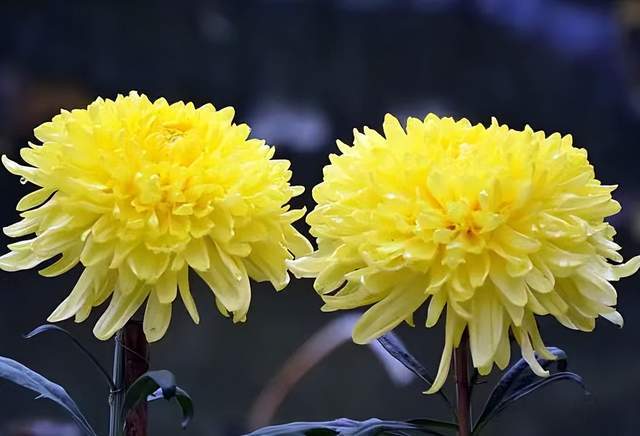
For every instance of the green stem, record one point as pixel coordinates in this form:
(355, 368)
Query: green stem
(463, 391)
(116, 397)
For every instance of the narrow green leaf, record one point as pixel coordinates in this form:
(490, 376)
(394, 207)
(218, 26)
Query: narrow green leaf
(54, 328)
(349, 427)
(394, 346)
(520, 381)
(27, 378)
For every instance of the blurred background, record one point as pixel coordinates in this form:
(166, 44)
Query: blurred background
(303, 73)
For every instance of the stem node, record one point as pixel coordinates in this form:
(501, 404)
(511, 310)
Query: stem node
(130, 361)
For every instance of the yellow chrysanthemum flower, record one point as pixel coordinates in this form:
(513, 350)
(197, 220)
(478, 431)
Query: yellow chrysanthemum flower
(494, 224)
(139, 192)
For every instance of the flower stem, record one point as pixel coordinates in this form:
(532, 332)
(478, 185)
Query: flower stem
(463, 392)
(130, 361)
(136, 363)
(116, 396)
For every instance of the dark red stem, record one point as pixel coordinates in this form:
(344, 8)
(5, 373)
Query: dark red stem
(136, 363)
(463, 393)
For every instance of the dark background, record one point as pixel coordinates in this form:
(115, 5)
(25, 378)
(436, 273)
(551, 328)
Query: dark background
(303, 73)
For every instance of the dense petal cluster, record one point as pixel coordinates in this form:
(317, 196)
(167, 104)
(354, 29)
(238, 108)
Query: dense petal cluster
(488, 224)
(141, 192)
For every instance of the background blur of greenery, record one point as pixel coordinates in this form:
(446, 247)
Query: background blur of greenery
(303, 73)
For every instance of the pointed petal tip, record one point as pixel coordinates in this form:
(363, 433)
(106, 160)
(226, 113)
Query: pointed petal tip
(6, 161)
(614, 318)
(59, 315)
(153, 337)
(359, 339)
(389, 117)
(434, 388)
(327, 308)
(101, 335)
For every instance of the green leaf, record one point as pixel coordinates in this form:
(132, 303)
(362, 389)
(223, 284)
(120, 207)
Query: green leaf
(520, 381)
(435, 424)
(349, 427)
(154, 385)
(29, 379)
(54, 328)
(394, 346)
(541, 382)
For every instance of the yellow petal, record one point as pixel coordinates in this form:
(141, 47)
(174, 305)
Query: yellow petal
(503, 353)
(167, 287)
(104, 287)
(35, 198)
(156, 318)
(516, 313)
(95, 252)
(513, 288)
(478, 268)
(308, 266)
(223, 310)
(392, 128)
(627, 269)
(516, 240)
(29, 173)
(296, 242)
(127, 280)
(352, 295)
(234, 294)
(527, 352)
(453, 331)
(146, 265)
(23, 227)
(539, 281)
(596, 288)
(80, 293)
(83, 313)
(69, 259)
(228, 262)
(121, 251)
(54, 241)
(267, 262)
(19, 260)
(485, 327)
(614, 317)
(185, 294)
(197, 255)
(332, 277)
(532, 327)
(120, 310)
(436, 305)
(389, 312)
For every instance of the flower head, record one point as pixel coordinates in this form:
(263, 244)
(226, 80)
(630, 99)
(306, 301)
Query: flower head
(139, 193)
(489, 224)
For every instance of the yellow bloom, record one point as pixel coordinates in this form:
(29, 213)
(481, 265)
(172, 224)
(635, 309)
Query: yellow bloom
(139, 192)
(495, 225)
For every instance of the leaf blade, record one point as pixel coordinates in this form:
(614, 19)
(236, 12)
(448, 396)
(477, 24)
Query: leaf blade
(21, 375)
(51, 327)
(392, 343)
(511, 377)
(154, 385)
(396, 348)
(520, 381)
(349, 427)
